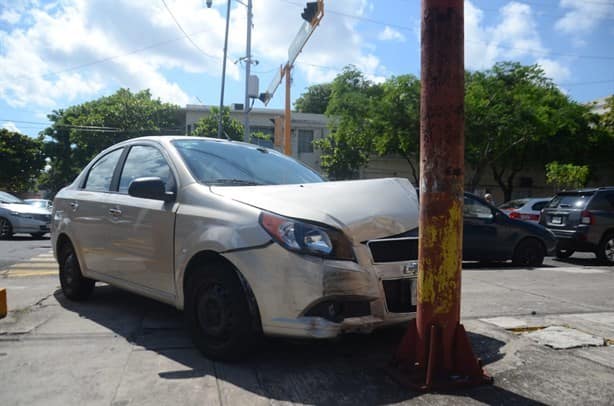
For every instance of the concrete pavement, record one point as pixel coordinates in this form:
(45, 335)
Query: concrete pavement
(121, 349)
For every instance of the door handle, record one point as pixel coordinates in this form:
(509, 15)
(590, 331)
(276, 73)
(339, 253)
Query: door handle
(115, 212)
(74, 205)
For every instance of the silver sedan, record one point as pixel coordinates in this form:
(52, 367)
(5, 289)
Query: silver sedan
(244, 239)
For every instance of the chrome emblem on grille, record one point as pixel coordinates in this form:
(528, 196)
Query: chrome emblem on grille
(411, 269)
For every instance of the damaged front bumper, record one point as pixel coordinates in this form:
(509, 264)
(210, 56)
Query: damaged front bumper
(304, 296)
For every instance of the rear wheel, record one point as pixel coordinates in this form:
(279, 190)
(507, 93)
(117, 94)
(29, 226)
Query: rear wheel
(606, 249)
(75, 286)
(217, 313)
(564, 253)
(528, 252)
(6, 229)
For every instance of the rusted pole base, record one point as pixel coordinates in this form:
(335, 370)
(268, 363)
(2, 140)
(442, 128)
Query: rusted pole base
(431, 375)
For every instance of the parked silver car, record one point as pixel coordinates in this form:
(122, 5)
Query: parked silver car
(16, 216)
(244, 239)
(44, 203)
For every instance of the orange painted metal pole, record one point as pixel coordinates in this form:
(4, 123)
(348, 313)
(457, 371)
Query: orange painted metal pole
(436, 352)
(288, 114)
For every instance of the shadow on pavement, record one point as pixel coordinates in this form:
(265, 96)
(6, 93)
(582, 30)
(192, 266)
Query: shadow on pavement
(489, 266)
(27, 237)
(349, 370)
(581, 261)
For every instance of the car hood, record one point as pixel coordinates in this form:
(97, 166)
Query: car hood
(24, 208)
(363, 209)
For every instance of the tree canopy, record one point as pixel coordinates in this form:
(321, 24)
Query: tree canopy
(80, 132)
(21, 160)
(315, 99)
(208, 126)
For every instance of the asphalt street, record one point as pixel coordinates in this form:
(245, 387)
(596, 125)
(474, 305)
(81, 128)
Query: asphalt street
(121, 349)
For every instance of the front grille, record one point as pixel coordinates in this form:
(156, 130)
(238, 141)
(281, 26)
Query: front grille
(400, 295)
(42, 217)
(394, 249)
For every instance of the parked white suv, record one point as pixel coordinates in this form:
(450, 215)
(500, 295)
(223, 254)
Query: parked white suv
(244, 239)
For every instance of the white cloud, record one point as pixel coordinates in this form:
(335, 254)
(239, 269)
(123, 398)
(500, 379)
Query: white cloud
(583, 17)
(513, 37)
(73, 49)
(390, 34)
(554, 70)
(10, 16)
(9, 125)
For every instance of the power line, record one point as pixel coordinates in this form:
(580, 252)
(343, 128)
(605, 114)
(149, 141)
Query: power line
(404, 27)
(185, 33)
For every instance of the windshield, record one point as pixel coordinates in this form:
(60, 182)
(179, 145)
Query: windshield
(232, 164)
(9, 198)
(570, 201)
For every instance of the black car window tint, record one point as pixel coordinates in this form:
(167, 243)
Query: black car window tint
(539, 205)
(602, 201)
(100, 175)
(144, 161)
(474, 209)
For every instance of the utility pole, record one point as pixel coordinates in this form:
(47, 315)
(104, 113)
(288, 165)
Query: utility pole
(435, 352)
(221, 117)
(248, 63)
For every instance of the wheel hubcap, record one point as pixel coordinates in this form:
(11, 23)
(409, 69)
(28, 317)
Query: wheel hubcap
(212, 314)
(4, 228)
(609, 249)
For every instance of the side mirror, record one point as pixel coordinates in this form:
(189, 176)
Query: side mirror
(150, 188)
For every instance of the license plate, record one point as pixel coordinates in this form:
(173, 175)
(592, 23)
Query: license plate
(557, 220)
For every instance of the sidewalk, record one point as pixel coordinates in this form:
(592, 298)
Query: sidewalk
(121, 349)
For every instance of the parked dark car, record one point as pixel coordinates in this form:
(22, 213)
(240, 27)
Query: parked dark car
(490, 235)
(583, 220)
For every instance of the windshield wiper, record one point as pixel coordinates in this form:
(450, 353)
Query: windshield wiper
(242, 182)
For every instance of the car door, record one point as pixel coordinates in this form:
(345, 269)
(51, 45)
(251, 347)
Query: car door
(479, 231)
(85, 207)
(142, 230)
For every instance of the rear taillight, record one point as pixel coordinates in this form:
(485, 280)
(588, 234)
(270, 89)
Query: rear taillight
(524, 216)
(586, 217)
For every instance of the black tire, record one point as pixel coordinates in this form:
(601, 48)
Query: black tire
(75, 286)
(37, 235)
(6, 229)
(605, 252)
(217, 313)
(528, 252)
(562, 254)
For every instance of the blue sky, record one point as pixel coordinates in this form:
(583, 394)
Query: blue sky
(54, 54)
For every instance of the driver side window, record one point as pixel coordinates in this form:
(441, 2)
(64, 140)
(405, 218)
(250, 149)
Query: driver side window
(145, 161)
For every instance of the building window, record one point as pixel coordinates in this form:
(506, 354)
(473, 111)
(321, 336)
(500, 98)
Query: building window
(305, 141)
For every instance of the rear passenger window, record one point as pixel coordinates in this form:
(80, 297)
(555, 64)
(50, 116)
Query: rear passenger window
(101, 174)
(540, 205)
(144, 161)
(603, 201)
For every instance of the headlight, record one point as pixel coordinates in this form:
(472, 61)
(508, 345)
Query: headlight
(22, 215)
(307, 238)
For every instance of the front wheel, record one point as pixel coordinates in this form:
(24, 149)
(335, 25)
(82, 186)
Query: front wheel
(6, 229)
(605, 251)
(528, 253)
(75, 286)
(217, 313)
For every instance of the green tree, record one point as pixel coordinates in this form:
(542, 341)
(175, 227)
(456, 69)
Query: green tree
(515, 116)
(607, 119)
(566, 176)
(21, 160)
(80, 132)
(348, 145)
(396, 120)
(208, 126)
(315, 99)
